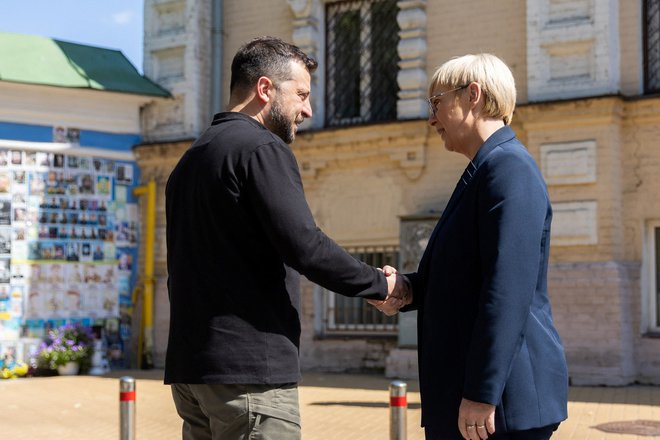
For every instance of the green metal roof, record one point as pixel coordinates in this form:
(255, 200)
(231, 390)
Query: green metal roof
(33, 59)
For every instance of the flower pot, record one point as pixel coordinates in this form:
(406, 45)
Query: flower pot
(68, 369)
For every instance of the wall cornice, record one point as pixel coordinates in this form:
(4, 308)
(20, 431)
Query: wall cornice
(569, 113)
(589, 111)
(643, 111)
(158, 159)
(402, 142)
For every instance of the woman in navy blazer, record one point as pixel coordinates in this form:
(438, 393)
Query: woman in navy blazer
(491, 364)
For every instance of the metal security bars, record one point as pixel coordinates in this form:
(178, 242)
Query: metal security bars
(652, 46)
(361, 61)
(355, 315)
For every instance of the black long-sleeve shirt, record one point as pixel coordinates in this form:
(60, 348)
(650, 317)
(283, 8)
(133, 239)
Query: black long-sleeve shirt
(238, 232)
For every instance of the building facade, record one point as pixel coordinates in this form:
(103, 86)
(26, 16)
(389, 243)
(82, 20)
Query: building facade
(377, 177)
(69, 235)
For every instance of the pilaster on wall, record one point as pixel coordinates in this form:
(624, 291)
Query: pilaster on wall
(412, 52)
(309, 35)
(572, 48)
(177, 55)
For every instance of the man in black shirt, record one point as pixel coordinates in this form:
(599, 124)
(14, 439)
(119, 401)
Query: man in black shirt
(239, 231)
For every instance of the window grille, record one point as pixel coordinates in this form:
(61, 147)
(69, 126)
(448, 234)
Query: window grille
(362, 61)
(345, 315)
(652, 46)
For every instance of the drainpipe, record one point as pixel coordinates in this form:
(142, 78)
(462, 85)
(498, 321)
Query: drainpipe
(145, 351)
(217, 31)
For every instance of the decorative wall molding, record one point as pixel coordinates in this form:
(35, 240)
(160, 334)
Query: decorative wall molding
(403, 143)
(159, 159)
(572, 48)
(575, 223)
(309, 35)
(177, 54)
(567, 163)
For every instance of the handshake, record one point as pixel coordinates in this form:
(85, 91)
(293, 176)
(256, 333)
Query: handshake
(399, 292)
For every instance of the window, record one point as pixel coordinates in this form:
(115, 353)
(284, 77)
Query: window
(345, 315)
(654, 276)
(652, 46)
(362, 61)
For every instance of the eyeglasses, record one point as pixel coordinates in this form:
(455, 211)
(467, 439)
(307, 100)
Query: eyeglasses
(431, 99)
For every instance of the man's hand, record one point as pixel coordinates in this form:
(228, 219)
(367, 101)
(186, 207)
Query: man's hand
(476, 420)
(399, 292)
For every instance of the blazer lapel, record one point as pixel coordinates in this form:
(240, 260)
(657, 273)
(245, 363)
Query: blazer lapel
(502, 135)
(453, 200)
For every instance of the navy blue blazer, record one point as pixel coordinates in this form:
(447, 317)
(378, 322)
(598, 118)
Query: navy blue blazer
(485, 328)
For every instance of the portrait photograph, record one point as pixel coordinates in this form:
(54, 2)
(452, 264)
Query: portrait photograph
(86, 184)
(124, 174)
(5, 241)
(5, 182)
(30, 158)
(19, 177)
(59, 134)
(17, 157)
(5, 270)
(5, 212)
(72, 161)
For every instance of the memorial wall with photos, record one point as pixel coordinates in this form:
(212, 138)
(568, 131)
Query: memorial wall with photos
(68, 241)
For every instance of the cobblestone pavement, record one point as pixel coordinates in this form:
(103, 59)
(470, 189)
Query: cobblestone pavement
(333, 406)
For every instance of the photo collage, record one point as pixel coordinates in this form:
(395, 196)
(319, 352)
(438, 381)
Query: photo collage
(68, 239)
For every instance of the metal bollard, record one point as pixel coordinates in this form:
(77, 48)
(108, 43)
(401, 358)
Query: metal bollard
(126, 408)
(398, 407)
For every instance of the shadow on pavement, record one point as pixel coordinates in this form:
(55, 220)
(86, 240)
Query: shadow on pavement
(310, 379)
(353, 381)
(631, 394)
(363, 404)
(155, 374)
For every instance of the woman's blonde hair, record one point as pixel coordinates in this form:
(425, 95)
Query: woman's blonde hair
(490, 72)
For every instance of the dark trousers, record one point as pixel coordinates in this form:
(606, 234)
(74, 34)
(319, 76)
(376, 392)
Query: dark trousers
(543, 433)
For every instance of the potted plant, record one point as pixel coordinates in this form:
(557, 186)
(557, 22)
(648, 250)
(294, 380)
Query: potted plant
(68, 349)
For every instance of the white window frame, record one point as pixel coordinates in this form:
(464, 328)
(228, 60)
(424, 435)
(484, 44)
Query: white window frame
(651, 289)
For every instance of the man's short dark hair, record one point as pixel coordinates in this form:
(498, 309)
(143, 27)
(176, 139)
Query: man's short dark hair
(266, 56)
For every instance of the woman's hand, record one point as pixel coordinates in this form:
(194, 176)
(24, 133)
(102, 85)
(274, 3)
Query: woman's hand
(399, 292)
(476, 420)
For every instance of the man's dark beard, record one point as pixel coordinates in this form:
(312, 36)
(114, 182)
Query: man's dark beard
(279, 124)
